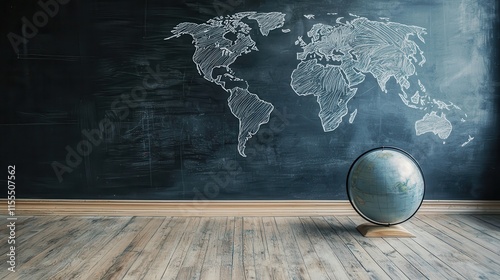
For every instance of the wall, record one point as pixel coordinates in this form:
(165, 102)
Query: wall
(97, 104)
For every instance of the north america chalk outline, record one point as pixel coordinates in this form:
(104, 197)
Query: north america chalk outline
(215, 51)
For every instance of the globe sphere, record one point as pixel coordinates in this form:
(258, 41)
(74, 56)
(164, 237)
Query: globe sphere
(385, 186)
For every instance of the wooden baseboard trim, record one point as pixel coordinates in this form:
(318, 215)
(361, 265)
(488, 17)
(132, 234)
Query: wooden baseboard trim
(36, 207)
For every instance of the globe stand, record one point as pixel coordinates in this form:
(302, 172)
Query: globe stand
(372, 230)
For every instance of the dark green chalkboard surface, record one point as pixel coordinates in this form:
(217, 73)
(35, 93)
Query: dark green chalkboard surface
(245, 99)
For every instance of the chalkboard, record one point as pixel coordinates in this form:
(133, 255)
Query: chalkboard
(244, 100)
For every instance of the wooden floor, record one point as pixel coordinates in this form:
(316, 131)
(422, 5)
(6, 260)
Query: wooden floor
(445, 247)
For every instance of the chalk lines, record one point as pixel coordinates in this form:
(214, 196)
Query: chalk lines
(251, 111)
(333, 61)
(213, 50)
(350, 50)
(336, 58)
(431, 122)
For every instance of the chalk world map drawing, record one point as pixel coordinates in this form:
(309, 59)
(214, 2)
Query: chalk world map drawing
(335, 58)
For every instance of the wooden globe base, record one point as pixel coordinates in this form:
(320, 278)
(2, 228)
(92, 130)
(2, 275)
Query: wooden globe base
(372, 230)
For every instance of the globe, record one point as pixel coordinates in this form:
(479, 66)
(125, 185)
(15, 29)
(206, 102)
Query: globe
(385, 186)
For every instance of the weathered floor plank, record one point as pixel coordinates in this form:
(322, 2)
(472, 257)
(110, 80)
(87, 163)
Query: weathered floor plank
(353, 268)
(182, 249)
(314, 266)
(482, 238)
(295, 263)
(371, 266)
(445, 247)
(329, 259)
(166, 249)
(383, 260)
(493, 220)
(461, 263)
(275, 249)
